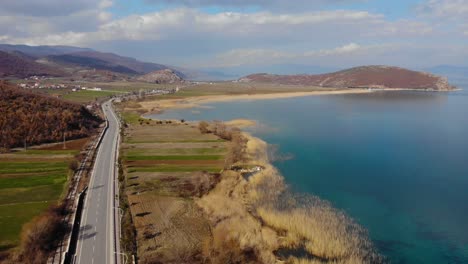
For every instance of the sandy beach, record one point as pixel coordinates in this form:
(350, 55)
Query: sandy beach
(159, 105)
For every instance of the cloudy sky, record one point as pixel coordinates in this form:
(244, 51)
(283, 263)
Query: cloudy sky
(231, 33)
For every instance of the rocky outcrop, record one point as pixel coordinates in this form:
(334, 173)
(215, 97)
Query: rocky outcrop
(161, 76)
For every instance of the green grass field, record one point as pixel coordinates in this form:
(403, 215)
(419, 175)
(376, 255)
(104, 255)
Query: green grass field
(30, 181)
(84, 96)
(174, 148)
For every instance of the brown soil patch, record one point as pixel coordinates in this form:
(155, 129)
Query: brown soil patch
(38, 159)
(149, 163)
(181, 145)
(76, 144)
(169, 229)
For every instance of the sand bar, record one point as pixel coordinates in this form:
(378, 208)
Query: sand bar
(161, 104)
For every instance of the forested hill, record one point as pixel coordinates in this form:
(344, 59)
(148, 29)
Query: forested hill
(29, 119)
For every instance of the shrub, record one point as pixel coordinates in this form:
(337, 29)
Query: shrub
(40, 237)
(73, 165)
(204, 127)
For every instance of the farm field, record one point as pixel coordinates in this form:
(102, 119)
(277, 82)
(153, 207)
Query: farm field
(166, 166)
(30, 181)
(237, 88)
(108, 89)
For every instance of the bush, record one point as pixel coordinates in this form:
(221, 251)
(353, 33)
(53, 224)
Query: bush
(73, 165)
(203, 126)
(40, 237)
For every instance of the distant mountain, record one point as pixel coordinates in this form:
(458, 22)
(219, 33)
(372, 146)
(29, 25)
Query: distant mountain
(235, 72)
(127, 62)
(76, 61)
(161, 76)
(21, 66)
(41, 51)
(365, 76)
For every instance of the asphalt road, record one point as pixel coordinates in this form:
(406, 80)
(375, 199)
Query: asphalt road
(100, 226)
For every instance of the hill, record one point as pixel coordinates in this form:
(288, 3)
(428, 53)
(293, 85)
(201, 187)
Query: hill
(41, 51)
(161, 76)
(127, 62)
(29, 118)
(21, 66)
(77, 61)
(364, 76)
(67, 60)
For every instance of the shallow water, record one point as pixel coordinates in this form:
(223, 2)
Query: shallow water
(395, 161)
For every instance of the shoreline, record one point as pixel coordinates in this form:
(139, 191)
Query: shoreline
(158, 105)
(253, 207)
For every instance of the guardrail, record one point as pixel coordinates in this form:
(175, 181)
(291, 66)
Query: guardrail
(70, 254)
(62, 254)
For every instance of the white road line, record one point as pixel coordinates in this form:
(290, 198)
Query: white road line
(86, 201)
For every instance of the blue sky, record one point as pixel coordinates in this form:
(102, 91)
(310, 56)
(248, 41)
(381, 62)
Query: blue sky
(394, 9)
(236, 33)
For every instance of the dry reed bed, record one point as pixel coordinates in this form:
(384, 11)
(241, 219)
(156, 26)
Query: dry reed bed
(255, 219)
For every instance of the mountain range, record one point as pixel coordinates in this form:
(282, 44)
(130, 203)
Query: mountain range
(20, 61)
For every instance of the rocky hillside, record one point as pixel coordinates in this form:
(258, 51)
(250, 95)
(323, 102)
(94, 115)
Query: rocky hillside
(28, 118)
(162, 76)
(365, 77)
(20, 66)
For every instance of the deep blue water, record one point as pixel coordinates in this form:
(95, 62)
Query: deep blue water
(395, 161)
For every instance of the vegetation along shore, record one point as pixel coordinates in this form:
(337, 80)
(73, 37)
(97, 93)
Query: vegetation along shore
(207, 193)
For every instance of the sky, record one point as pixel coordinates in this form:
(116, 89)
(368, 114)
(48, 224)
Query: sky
(235, 33)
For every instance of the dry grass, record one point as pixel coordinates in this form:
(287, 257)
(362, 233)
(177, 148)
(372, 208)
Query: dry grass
(259, 217)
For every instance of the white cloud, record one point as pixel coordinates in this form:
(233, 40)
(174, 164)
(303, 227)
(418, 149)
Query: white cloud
(276, 5)
(104, 16)
(346, 49)
(184, 23)
(449, 9)
(49, 8)
(239, 57)
(105, 4)
(65, 38)
(189, 36)
(446, 14)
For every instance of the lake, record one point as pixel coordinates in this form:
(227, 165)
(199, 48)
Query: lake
(394, 161)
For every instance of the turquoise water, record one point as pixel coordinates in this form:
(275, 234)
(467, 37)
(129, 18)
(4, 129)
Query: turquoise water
(395, 161)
